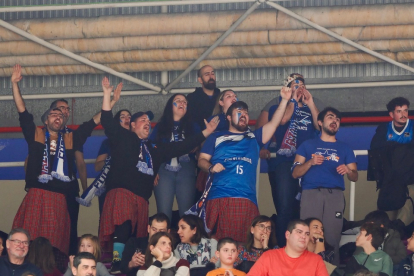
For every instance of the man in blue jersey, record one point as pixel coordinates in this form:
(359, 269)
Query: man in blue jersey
(399, 130)
(231, 159)
(322, 163)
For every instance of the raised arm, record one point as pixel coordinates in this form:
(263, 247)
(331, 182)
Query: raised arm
(270, 127)
(183, 147)
(115, 99)
(85, 130)
(308, 100)
(17, 97)
(107, 90)
(289, 108)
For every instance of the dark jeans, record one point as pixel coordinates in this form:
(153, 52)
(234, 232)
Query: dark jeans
(73, 209)
(284, 190)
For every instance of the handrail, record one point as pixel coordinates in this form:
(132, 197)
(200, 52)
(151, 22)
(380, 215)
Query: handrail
(345, 120)
(352, 188)
(273, 155)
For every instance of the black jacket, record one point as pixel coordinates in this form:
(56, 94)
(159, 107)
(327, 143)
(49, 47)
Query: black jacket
(125, 149)
(9, 269)
(200, 106)
(130, 247)
(34, 137)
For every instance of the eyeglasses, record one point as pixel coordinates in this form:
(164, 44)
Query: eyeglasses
(19, 242)
(263, 227)
(180, 102)
(64, 108)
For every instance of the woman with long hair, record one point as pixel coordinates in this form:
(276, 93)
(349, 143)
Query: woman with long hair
(224, 101)
(317, 243)
(41, 255)
(195, 246)
(260, 238)
(160, 260)
(176, 177)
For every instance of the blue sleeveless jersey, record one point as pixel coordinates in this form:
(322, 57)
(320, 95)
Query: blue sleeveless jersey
(403, 137)
(239, 154)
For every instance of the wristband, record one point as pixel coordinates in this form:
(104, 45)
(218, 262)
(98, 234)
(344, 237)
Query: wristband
(209, 168)
(157, 264)
(292, 100)
(294, 165)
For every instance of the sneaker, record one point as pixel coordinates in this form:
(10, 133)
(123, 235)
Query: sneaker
(116, 267)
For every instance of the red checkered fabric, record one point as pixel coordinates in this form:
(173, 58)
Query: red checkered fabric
(231, 217)
(45, 214)
(122, 205)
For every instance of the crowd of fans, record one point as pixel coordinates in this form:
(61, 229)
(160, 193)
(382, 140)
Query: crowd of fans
(202, 144)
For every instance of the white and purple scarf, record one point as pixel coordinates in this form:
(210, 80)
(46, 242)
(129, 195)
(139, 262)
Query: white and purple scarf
(288, 146)
(60, 169)
(145, 164)
(97, 187)
(174, 164)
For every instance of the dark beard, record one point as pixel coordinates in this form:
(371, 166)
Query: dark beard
(239, 128)
(209, 85)
(329, 132)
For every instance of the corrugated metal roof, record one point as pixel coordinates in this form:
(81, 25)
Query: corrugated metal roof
(171, 9)
(244, 76)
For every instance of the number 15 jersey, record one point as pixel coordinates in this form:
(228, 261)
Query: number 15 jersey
(239, 154)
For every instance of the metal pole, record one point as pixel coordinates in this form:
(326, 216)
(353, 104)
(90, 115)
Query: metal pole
(341, 38)
(217, 43)
(237, 89)
(352, 189)
(77, 57)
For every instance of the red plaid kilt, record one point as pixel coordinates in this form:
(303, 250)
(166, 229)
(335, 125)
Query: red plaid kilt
(45, 214)
(122, 205)
(231, 217)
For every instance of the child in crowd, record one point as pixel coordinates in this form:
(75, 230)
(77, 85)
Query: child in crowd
(373, 259)
(89, 243)
(227, 254)
(392, 244)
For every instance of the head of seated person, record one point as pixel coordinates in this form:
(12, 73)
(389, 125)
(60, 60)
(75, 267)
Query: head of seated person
(191, 229)
(41, 255)
(261, 234)
(84, 264)
(317, 243)
(195, 245)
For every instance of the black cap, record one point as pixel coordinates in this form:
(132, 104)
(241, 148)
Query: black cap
(139, 114)
(47, 112)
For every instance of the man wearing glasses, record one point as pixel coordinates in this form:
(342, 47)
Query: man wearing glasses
(17, 247)
(73, 206)
(292, 260)
(50, 173)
